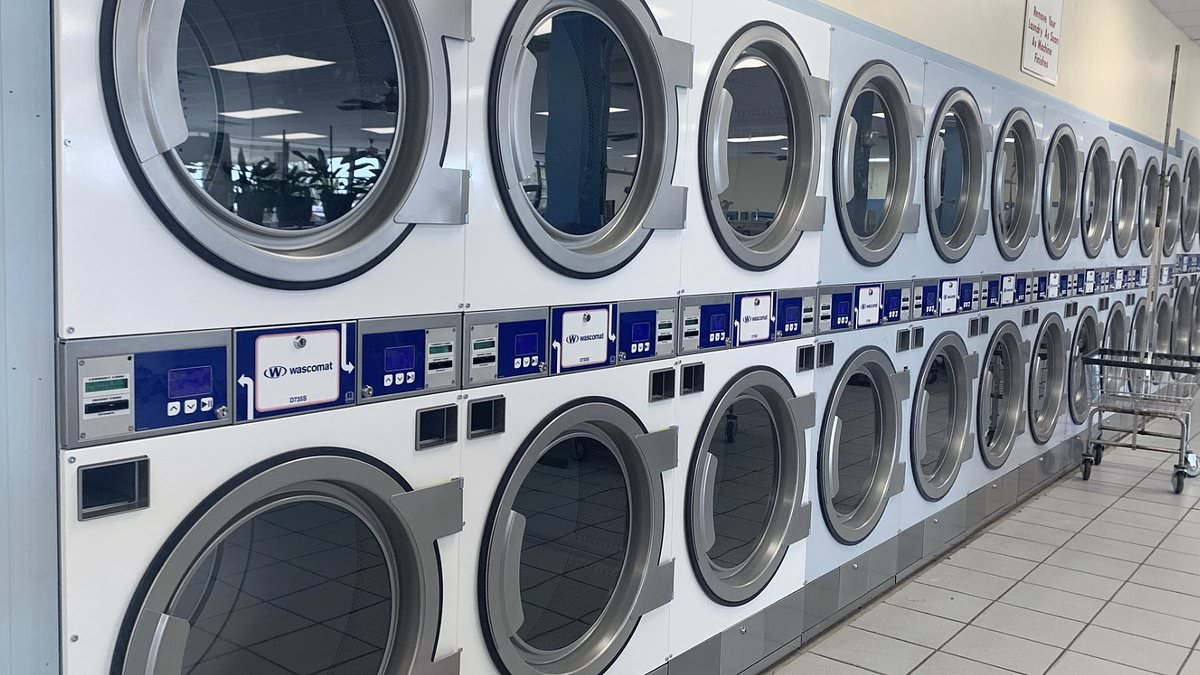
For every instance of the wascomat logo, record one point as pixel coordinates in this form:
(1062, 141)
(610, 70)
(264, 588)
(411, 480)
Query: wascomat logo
(276, 372)
(575, 338)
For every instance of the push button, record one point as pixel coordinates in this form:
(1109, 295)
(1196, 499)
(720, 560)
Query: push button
(172, 408)
(189, 406)
(387, 380)
(206, 404)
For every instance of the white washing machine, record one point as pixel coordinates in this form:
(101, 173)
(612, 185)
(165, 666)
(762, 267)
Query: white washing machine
(267, 166)
(575, 147)
(874, 214)
(325, 543)
(1017, 168)
(760, 112)
(569, 505)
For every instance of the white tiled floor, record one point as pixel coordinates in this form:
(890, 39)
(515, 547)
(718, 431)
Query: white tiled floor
(1089, 577)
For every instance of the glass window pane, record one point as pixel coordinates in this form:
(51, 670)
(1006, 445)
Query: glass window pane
(746, 447)
(585, 123)
(952, 174)
(872, 164)
(302, 587)
(760, 146)
(861, 444)
(1012, 181)
(292, 107)
(940, 413)
(1040, 378)
(1056, 179)
(994, 401)
(575, 502)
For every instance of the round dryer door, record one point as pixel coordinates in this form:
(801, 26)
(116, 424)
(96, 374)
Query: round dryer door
(941, 426)
(1125, 202)
(1085, 341)
(1181, 339)
(1047, 376)
(320, 562)
(1141, 328)
(1060, 192)
(1148, 206)
(874, 163)
(1096, 201)
(570, 558)
(1000, 395)
(954, 175)
(1173, 213)
(1164, 319)
(1014, 184)
(585, 130)
(761, 147)
(1191, 199)
(294, 149)
(1194, 344)
(1116, 336)
(860, 446)
(745, 486)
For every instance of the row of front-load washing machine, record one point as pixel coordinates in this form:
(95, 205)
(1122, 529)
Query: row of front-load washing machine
(367, 365)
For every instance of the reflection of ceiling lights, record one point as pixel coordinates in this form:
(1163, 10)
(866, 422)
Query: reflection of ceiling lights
(880, 160)
(259, 113)
(382, 131)
(298, 136)
(758, 139)
(630, 156)
(611, 111)
(280, 63)
(880, 115)
(750, 62)
(544, 28)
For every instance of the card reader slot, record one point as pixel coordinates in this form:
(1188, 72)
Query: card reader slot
(440, 365)
(105, 407)
(484, 360)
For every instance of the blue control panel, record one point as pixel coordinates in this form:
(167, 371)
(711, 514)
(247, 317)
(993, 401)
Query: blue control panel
(789, 317)
(520, 348)
(1022, 293)
(294, 369)
(637, 333)
(1064, 285)
(966, 296)
(176, 388)
(841, 308)
(1043, 286)
(893, 305)
(394, 362)
(927, 300)
(716, 322)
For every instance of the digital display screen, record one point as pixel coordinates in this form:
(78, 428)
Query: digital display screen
(525, 344)
(640, 332)
(185, 382)
(441, 349)
(718, 322)
(484, 344)
(841, 308)
(791, 314)
(106, 384)
(396, 359)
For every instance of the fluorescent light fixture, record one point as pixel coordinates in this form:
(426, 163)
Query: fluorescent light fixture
(750, 62)
(880, 160)
(298, 136)
(630, 156)
(544, 28)
(881, 115)
(382, 131)
(280, 63)
(612, 110)
(758, 139)
(259, 113)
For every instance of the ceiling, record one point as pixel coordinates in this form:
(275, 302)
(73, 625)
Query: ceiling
(1183, 13)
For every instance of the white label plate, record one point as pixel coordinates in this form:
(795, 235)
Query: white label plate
(754, 319)
(585, 338)
(948, 297)
(297, 377)
(870, 302)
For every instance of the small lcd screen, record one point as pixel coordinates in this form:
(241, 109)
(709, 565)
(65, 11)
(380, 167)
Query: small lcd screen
(718, 322)
(484, 344)
(841, 308)
(185, 382)
(396, 359)
(441, 349)
(525, 344)
(791, 314)
(641, 332)
(106, 384)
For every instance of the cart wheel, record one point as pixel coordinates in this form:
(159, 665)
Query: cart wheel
(1177, 481)
(1191, 465)
(1098, 454)
(1087, 468)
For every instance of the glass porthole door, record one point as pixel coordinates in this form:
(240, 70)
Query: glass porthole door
(1047, 376)
(323, 562)
(874, 163)
(1173, 213)
(1014, 184)
(954, 176)
(941, 426)
(585, 130)
(1164, 319)
(1148, 206)
(745, 486)
(570, 558)
(1125, 202)
(1116, 336)
(1096, 203)
(1181, 327)
(761, 147)
(1001, 394)
(294, 149)
(1195, 339)
(1191, 199)
(858, 467)
(1060, 192)
(1085, 341)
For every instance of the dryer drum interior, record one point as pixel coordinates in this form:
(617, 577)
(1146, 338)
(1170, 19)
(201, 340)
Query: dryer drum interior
(761, 147)
(1060, 192)
(571, 550)
(289, 160)
(1148, 206)
(322, 551)
(1096, 201)
(585, 130)
(1181, 326)
(1194, 344)
(745, 486)
(1191, 199)
(1014, 183)
(941, 438)
(874, 163)
(1047, 376)
(1164, 320)
(1085, 341)
(1141, 329)
(1000, 395)
(1116, 336)
(954, 175)
(1173, 213)
(860, 443)
(1125, 202)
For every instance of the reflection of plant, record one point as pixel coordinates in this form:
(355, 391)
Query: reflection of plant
(388, 102)
(248, 177)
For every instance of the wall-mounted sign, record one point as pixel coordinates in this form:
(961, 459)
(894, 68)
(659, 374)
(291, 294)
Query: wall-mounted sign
(1042, 35)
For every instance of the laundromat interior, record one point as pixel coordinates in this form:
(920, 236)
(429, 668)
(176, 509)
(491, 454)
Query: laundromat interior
(569, 337)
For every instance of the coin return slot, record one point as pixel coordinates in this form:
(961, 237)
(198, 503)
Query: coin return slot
(485, 417)
(1130, 299)
(437, 426)
(118, 487)
(440, 365)
(662, 385)
(806, 358)
(1103, 304)
(985, 326)
(691, 379)
(105, 407)
(1071, 310)
(918, 338)
(825, 355)
(903, 338)
(973, 327)
(483, 352)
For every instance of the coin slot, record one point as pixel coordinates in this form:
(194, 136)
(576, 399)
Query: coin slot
(806, 358)
(825, 354)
